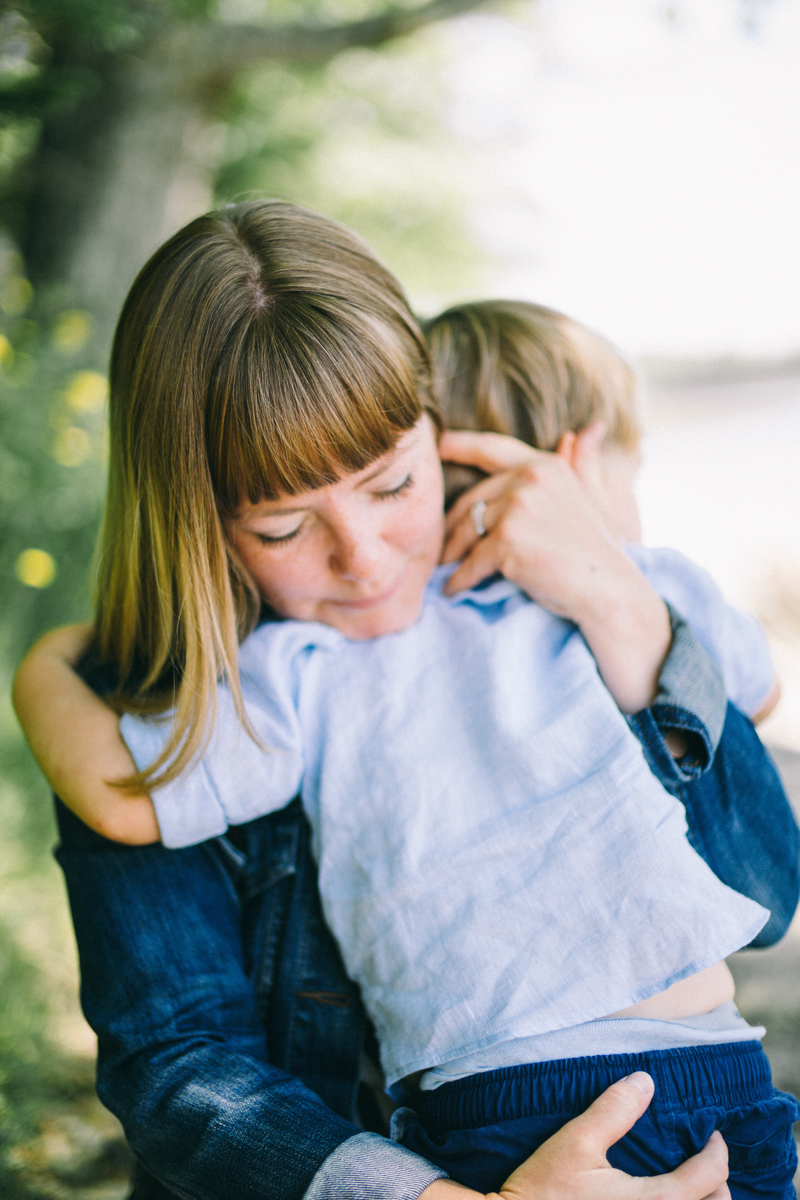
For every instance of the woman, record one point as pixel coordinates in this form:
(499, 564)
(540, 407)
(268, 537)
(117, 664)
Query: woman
(189, 958)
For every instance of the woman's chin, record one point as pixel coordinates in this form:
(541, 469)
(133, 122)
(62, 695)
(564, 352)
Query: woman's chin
(362, 625)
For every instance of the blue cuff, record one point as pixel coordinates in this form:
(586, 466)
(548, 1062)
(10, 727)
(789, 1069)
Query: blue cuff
(691, 699)
(690, 682)
(370, 1167)
(650, 727)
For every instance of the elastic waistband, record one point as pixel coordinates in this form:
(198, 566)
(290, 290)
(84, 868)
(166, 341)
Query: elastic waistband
(685, 1078)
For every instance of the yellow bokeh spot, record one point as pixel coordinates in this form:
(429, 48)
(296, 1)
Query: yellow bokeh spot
(16, 294)
(6, 351)
(72, 330)
(86, 391)
(35, 568)
(72, 446)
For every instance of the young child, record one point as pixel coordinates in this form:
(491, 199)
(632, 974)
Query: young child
(509, 885)
(516, 368)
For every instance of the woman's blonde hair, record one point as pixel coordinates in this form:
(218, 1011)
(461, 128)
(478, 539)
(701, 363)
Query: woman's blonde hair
(262, 350)
(506, 366)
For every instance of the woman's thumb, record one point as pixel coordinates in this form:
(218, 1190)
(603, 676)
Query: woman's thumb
(615, 1112)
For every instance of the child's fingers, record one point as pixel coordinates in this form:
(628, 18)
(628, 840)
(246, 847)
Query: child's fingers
(489, 451)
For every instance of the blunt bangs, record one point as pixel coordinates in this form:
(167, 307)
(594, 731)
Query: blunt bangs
(263, 350)
(307, 389)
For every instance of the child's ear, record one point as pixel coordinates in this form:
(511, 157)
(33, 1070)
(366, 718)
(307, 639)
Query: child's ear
(566, 448)
(583, 452)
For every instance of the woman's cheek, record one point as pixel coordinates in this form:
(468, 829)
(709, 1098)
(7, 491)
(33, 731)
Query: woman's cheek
(283, 577)
(428, 534)
(426, 522)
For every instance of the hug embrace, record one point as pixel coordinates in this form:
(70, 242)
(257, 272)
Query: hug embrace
(360, 792)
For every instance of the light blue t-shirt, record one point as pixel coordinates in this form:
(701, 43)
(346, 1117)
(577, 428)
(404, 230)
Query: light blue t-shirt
(495, 859)
(734, 639)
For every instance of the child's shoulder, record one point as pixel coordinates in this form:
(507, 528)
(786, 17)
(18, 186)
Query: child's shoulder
(663, 566)
(733, 638)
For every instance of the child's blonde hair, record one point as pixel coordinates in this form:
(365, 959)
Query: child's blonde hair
(506, 366)
(262, 350)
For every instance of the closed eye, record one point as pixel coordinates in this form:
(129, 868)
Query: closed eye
(407, 483)
(267, 540)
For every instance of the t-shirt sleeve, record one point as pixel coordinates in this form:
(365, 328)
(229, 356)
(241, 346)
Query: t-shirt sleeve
(236, 780)
(734, 639)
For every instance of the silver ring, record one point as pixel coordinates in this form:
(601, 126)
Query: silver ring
(476, 512)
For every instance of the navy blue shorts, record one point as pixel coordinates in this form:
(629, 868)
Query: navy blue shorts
(481, 1128)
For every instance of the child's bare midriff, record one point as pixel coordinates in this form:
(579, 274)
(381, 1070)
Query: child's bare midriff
(688, 998)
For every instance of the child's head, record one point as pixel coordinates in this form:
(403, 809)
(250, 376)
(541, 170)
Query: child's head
(511, 367)
(262, 353)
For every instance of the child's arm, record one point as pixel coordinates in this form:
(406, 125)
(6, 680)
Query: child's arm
(76, 740)
(83, 747)
(769, 704)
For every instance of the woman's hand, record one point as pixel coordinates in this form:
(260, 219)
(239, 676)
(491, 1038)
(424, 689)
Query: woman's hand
(546, 532)
(572, 1165)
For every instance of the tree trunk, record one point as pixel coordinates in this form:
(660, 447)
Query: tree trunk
(127, 173)
(153, 182)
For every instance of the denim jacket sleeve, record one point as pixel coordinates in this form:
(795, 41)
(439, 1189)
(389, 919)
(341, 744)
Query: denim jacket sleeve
(182, 1054)
(738, 815)
(690, 698)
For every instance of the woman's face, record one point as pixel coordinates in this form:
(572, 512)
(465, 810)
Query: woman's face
(356, 554)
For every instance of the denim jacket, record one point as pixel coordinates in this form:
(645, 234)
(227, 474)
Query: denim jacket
(230, 1040)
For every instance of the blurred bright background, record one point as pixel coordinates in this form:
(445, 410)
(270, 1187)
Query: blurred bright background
(635, 163)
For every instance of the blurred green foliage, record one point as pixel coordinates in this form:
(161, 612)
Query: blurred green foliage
(51, 485)
(362, 140)
(359, 138)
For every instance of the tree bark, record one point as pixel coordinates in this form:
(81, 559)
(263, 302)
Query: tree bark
(145, 178)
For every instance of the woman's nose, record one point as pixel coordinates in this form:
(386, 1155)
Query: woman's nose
(357, 557)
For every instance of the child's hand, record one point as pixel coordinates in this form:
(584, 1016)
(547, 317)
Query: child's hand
(572, 1165)
(546, 532)
(76, 741)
